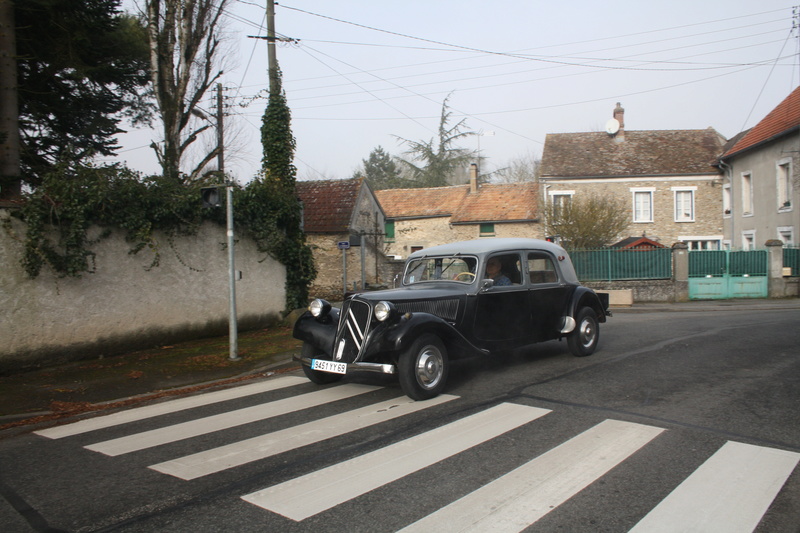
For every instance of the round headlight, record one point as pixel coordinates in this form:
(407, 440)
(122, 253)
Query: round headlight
(319, 308)
(383, 310)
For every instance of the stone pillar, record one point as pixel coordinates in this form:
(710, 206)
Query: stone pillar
(680, 271)
(776, 285)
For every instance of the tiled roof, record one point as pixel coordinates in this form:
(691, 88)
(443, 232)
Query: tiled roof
(641, 153)
(420, 203)
(507, 202)
(492, 203)
(784, 117)
(328, 205)
(637, 242)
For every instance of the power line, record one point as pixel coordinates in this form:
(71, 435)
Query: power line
(544, 59)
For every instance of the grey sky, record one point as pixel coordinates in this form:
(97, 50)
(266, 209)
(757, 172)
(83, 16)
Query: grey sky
(364, 71)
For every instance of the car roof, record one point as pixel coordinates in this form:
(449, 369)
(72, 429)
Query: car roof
(483, 247)
(489, 245)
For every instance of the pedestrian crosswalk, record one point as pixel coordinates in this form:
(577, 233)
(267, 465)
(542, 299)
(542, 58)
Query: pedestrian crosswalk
(308, 495)
(730, 491)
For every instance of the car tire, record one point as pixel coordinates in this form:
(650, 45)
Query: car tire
(315, 376)
(583, 340)
(423, 368)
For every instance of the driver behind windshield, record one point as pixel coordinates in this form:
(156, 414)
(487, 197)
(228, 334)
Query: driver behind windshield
(494, 271)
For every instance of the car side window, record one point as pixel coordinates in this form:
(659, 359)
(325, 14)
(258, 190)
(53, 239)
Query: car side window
(541, 268)
(504, 269)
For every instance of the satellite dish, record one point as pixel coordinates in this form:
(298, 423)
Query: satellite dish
(612, 126)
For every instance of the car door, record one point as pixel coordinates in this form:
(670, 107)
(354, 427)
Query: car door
(502, 312)
(547, 295)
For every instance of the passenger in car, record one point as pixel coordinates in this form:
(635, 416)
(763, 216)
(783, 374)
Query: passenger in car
(494, 271)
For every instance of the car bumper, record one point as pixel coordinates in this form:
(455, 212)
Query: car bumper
(380, 368)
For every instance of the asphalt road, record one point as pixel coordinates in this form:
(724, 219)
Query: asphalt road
(680, 419)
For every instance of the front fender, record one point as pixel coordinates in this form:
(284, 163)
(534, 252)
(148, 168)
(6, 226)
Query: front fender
(319, 333)
(398, 337)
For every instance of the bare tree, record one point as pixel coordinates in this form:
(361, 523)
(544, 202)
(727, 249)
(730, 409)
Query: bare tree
(522, 168)
(589, 221)
(184, 44)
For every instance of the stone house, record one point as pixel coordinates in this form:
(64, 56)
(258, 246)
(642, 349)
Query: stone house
(336, 212)
(421, 218)
(761, 192)
(667, 177)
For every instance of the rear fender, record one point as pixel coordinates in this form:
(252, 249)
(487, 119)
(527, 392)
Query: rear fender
(586, 297)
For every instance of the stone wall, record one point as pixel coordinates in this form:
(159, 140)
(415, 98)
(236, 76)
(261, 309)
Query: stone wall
(427, 232)
(125, 304)
(329, 262)
(707, 223)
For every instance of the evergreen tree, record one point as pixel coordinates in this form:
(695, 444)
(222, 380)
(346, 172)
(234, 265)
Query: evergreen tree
(435, 162)
(82, 67)
(381, 171)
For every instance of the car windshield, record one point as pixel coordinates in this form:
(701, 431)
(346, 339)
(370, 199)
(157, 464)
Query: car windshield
(458, 269)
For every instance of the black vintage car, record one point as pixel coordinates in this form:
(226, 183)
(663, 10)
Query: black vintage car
(462, 299)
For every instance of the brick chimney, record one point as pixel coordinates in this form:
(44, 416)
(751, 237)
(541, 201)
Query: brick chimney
(619, 116)
(473, 177)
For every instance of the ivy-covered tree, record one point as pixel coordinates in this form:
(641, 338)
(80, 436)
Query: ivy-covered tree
(433, 163)
(270, 202)
(380, 171)
(82, 67)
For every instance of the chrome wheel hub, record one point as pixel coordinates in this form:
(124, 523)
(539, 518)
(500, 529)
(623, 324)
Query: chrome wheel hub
(429, 367)
(587, 333)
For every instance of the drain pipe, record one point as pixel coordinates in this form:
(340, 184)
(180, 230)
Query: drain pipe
(726, 168)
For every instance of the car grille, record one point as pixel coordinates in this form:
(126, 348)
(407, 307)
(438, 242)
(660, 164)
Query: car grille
(353, 329)
(444, 309)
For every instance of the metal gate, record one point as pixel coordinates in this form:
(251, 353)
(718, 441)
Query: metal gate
(721, 274)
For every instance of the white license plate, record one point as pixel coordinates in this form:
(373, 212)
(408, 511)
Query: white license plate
(328, 366)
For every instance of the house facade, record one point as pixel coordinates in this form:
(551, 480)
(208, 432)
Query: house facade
(762, 185)
(344, 225)
(421, 218)
(667, 177)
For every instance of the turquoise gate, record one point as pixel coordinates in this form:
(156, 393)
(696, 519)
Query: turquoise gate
(721, 274)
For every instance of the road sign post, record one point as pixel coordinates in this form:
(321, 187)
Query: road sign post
(343, 246)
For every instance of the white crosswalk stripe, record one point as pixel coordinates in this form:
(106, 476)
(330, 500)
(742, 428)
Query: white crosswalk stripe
(523, 496)
(313, 493)
(728, 493)
(172, 406)
(210, 424)
(261, 447)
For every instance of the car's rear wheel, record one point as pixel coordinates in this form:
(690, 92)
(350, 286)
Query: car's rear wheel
(320, 378)
(583, 340)
(423, 368)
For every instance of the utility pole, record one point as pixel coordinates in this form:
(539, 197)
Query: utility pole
(220, 134)
(272, 56)
(233, 329)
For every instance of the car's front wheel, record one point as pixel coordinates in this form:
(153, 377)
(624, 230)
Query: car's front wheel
(320, 378)
(423, 368)
(583, 340)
